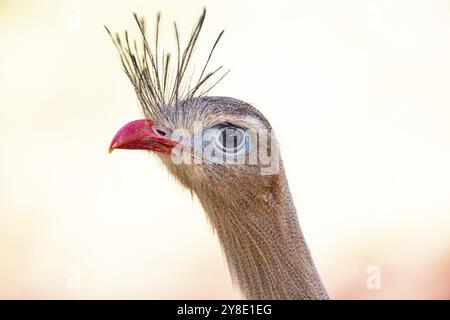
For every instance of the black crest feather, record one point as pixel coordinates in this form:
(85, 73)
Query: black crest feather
(158, 80)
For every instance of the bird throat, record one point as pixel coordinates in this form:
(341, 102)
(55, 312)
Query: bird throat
(266, 252)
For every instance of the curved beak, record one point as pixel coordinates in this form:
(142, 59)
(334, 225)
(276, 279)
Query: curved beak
(142, 135)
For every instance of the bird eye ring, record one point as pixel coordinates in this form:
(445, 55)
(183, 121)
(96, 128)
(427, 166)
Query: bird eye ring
(230, 139)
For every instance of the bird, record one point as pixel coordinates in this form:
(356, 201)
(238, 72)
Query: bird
(225, 152)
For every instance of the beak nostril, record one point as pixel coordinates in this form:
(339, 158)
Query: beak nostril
(161, 132)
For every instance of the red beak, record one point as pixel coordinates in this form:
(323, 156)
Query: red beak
(142, 134)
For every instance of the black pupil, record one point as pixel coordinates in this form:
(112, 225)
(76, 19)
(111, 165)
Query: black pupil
(231, 138)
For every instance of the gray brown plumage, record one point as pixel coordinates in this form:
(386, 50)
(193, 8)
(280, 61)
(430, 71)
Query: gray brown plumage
(252, 213)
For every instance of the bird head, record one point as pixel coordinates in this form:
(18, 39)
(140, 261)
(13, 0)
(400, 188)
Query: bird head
(213, 141)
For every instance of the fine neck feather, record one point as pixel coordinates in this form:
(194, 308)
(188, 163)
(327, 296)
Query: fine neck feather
(266, 252)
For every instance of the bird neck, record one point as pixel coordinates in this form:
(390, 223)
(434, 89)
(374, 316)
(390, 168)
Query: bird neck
(265, 249)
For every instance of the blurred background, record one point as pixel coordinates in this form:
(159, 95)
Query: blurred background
(357, 91)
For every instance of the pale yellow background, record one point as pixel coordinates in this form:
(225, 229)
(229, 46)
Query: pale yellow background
(357, 91)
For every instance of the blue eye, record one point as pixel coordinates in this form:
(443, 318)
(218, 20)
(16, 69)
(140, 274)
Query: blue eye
(230, 139)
